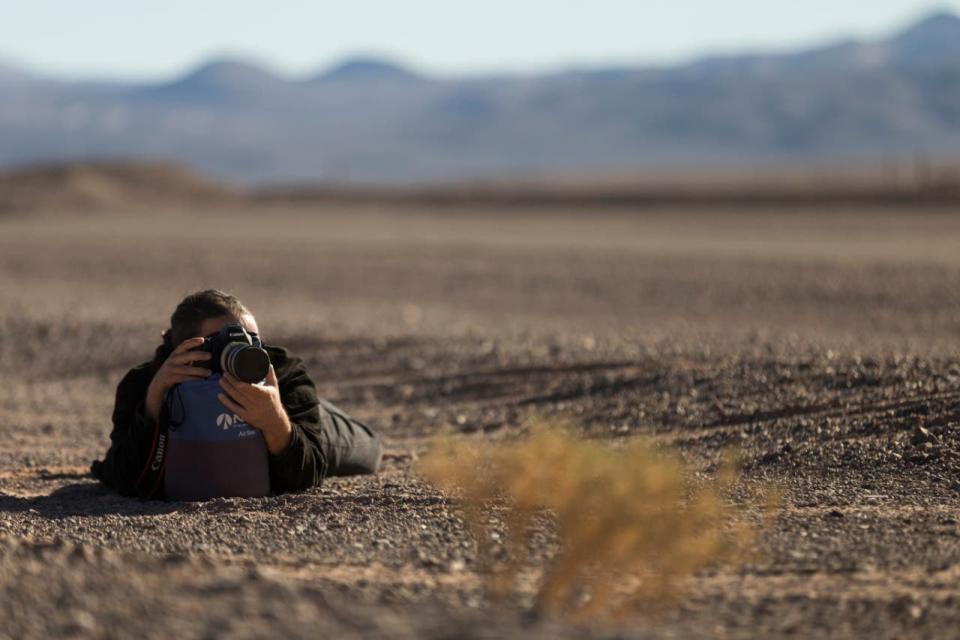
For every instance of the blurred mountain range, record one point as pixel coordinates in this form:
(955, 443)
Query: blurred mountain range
(371, 120)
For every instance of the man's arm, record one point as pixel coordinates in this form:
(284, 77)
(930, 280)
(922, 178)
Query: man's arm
(133, 441)
(302, 464)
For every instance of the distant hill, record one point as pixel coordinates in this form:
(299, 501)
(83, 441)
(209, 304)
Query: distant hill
(366, 70)
(221, 80)
(107, 186)
(369, 120)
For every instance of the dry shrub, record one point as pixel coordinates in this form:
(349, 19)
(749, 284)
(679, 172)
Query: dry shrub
(630, 525)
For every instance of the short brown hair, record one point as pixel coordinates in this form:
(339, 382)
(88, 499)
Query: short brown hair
(197, 307)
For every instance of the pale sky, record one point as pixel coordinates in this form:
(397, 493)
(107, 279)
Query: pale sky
(156, 39)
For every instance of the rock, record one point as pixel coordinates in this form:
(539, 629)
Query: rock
(922, 435)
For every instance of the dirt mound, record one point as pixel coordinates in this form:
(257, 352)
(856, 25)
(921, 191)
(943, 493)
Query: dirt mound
(107, 186)
(919, 185)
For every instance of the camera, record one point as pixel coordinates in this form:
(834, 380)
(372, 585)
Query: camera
(236, 351)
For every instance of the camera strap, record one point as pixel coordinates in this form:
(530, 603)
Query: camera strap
(151, 477)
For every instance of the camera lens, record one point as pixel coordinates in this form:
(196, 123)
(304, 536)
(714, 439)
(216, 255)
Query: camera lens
(245, 362)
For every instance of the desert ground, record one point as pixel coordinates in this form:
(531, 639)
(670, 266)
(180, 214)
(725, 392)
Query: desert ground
(816, 340)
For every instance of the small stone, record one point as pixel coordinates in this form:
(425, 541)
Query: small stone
(922, 435)
(84, 620)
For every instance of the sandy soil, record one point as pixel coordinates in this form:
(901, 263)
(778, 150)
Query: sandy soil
(816, 342)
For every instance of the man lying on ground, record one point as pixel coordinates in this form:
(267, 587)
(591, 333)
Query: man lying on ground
(218, 413)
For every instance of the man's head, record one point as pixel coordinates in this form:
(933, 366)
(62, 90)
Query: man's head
(206, 312)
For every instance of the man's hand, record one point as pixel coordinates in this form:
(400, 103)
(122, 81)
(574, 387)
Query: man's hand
(260, 407)
(177, 368)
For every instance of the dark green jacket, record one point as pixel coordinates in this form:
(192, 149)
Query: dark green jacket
(126, 466)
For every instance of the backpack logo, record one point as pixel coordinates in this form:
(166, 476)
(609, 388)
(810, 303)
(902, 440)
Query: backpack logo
(227, 420)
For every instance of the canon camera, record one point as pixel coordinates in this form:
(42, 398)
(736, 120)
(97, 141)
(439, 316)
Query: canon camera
(236, 351)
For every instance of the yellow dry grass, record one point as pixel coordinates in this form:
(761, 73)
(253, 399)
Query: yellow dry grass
(631, 526)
